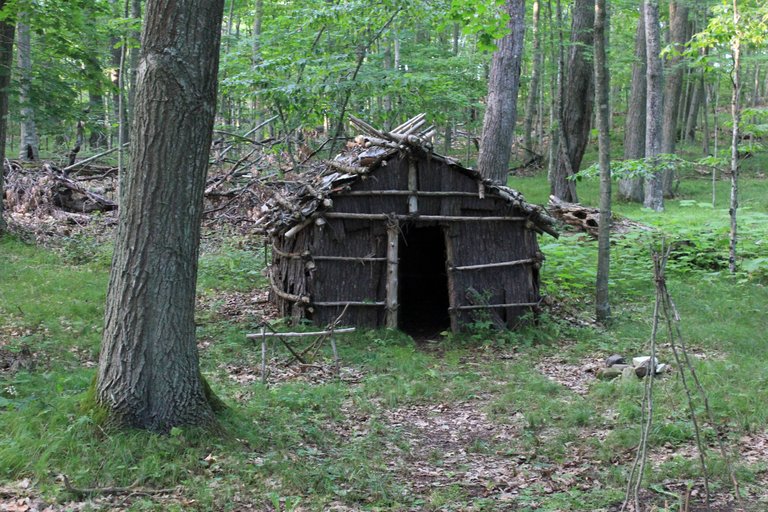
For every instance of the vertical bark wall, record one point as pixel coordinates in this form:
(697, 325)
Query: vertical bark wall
(148, 369)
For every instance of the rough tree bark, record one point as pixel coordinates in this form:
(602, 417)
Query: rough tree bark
(501, 111)
(673, 84)
(634, 127)
(602, 97)
(654, 189)
(29, 146)
(7, 29)
(533, 89)
(148, 369)
(578, 101)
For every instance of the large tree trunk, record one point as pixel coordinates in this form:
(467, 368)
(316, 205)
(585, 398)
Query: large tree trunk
(501, 111)
(148, 369)
(533, 90)
(29, 146)
(634, 127)
(654, 189)
(673, 84)
(602, 84)
(7, 28)
(577, 101)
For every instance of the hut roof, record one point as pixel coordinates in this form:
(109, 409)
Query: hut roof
(296, 202)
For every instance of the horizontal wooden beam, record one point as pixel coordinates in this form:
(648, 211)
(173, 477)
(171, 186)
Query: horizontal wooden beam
(512, 263)
(420, 193)
(348, 303)
(492, 306)
(348, 258)
(265, 334)
(439, 218)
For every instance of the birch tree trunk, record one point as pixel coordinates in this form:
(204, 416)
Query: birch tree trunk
(29, 142)
(654, 184)
(533, 90)
(7, 29)
(736, 122)
(602, 85)
(634, 127)
(578, 100)
(148, 368)
(501, 110)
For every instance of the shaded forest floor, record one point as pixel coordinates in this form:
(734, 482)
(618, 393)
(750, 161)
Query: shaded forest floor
(481, 421)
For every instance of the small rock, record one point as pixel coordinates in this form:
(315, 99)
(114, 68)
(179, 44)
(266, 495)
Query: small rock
(661, 368)
(614, 359)
(608, 373)
(628, 372)
(639, 361)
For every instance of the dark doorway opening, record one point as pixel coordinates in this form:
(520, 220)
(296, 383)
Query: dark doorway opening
(423, 281)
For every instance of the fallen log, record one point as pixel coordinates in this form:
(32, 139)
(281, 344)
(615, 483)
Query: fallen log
(583, 218)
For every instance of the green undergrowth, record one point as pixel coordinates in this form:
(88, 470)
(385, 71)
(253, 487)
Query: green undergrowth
(314, 444)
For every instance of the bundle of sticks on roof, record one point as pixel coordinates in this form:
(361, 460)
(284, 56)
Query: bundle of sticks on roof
(294, 202)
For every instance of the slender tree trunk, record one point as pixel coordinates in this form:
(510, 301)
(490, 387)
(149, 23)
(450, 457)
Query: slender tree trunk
(7, 29)
(578, 100)
(634, 127)
(501, 110)
(29, 142)
(533, 90)
(258, 16)
(149, 375)
(118, 52)
(693, 112)
(736, 122)
(602, 86)
(673, 85)
(654, 184)
(756, 90)
(556, 54)
(133, 64)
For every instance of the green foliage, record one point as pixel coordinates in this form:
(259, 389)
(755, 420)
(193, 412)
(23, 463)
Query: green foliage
(637, 168)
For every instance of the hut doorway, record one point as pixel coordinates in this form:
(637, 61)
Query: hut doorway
(422, 281)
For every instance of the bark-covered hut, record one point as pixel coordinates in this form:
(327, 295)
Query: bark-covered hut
(402, 237)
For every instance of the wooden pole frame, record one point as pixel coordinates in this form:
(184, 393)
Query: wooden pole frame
(393, 240)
